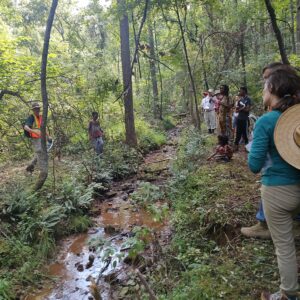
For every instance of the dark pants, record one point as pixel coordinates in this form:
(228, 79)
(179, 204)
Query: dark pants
(241, 131)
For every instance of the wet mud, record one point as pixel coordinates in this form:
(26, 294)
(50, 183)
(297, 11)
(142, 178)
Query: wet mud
(79, 266)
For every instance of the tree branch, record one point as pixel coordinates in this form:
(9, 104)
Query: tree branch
(12, 93)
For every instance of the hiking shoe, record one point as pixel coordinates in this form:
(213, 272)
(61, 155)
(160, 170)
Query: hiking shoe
(278, 296)
(259, 230)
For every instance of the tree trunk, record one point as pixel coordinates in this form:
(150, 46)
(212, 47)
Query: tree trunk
(277, 32)
(201, 45)
(298, 28)
(293, 26)
(153, 71)
(44, 155)
(242, 52)
(198, 122)
(160, 77)
(131, 139)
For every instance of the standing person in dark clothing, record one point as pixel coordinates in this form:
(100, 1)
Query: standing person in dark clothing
(96, 133)
(242, 108)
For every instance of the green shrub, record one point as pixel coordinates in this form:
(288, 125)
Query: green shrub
(192, 150)
(77, 224)
(6, 290)
(148, 137)
(168, 123)
(146, 193)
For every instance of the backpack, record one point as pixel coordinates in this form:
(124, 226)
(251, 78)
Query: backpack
(26, 133)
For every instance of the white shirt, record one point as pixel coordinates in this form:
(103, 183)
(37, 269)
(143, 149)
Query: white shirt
(207, 104)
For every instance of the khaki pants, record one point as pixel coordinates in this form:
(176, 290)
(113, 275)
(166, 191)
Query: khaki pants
(280, 204)
(210, 119)
(37, 148)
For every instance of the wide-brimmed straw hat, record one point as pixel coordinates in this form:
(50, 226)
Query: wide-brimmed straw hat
(35, 105)
(211, 91)
(287, 136)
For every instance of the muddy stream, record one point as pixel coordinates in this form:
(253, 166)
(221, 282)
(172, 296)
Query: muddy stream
(78, 264)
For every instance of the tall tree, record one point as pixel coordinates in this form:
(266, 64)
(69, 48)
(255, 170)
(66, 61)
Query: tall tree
(298, 28)
(277, 32)
(131, 139)
(44, 155)
(198, 122)
(153, 71)
(292, 26)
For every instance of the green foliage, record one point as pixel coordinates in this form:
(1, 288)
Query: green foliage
(192, 150)
(6, 290)
(149, 138)
(168, 123)
(74, 196)
(138, 242)
(119, 161)
(146, 193)
(78, 223)
(34, 221)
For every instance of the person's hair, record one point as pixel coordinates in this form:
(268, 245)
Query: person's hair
(275, 66)
(285, 84)
(222, 140)
(226, 89)
(94, 114)
(243, 88)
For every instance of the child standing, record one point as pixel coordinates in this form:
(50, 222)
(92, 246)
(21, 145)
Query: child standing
(96, 133)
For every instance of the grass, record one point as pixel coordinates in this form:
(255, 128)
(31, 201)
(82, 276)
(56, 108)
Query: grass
(208, 258)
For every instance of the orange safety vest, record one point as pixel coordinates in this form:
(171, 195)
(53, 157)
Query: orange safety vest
(36, 125)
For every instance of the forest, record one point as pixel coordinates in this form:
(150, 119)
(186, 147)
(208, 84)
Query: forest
(147, 216)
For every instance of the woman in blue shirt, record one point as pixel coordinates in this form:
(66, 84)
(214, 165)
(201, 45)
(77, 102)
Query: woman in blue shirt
(280, 181)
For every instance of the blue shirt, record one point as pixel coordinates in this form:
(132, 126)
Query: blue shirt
(264, 156)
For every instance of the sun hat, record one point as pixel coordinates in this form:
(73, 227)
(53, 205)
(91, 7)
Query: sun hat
(35, 105)
(287, 136)
(211, 91)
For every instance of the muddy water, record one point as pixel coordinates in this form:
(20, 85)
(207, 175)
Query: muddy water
(117, 217)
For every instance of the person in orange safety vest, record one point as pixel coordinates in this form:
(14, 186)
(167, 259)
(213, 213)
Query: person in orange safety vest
(32, 130)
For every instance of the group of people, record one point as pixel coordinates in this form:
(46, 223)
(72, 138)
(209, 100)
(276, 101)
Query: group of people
(228, 118)
(32, 130)
(275, 152)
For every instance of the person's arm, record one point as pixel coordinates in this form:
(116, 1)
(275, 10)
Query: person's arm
(260, 145)
(247, 108)
(212, 156)
(28, 125)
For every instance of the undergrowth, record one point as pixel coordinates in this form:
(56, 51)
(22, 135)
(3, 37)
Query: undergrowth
(210, 201)
(31, 223)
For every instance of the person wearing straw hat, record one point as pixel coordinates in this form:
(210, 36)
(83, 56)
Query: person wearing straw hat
(208, 108)
(276, 152)
(260, 229)
(32, 130)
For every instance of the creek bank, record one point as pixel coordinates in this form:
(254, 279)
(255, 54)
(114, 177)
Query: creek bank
(94, 262)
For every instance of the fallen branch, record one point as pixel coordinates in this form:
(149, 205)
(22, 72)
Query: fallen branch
(145, 284)
(108, 261)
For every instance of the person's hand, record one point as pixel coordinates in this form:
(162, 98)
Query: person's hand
(36, 131)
